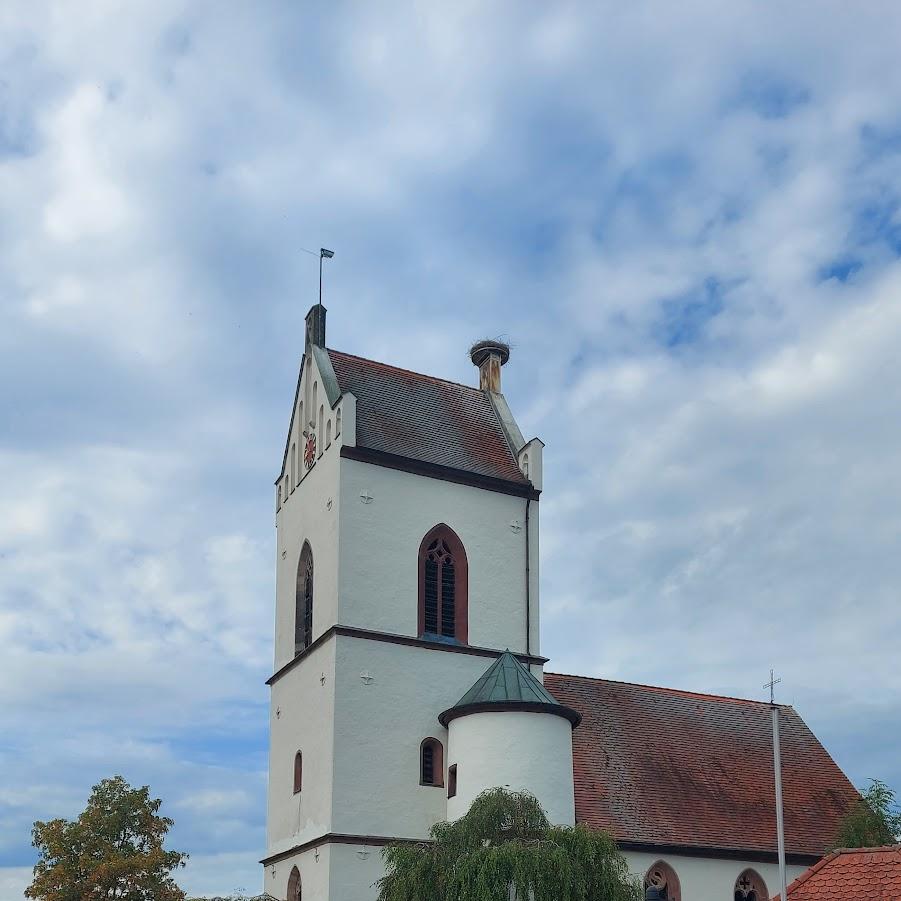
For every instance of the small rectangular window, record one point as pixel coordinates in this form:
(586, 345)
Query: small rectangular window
(452, 781)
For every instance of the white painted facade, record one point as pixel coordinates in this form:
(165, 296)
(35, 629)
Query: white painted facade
(515, 750)
(359, 702)
(709, 879)
(358, 706)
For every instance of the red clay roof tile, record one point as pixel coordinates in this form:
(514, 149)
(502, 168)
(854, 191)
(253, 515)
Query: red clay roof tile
(859, 874)
(424, 418)
(666, 767)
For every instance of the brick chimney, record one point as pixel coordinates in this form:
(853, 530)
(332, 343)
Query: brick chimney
(489, 356)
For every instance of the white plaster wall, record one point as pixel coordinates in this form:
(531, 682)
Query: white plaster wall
(305, 724)
(516, 750)
(380, 540)
(314, 875)
(379, 728)
(354, 871)
(706, 879)
(306, 516)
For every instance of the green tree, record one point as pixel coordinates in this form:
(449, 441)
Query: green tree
(873, 821)
(505, 844)
(113, 850)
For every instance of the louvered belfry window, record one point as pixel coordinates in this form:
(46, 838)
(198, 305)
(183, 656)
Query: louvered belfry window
(431, 763)
(442, 586)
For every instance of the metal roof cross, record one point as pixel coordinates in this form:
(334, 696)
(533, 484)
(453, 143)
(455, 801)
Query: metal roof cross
(771, 686)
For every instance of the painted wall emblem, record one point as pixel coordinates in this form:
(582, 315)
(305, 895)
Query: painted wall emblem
(309, 451)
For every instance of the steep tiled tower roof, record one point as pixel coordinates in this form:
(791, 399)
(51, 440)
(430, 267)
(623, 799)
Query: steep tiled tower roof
(419, 417)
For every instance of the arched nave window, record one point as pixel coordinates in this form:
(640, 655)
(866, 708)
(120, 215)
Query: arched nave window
(663, 878)
(298, 772)
(750, 887)
(294, 885)
(431, 762)
(443, 586)
(303, 608)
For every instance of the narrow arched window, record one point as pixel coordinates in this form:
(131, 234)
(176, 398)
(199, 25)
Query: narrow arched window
(443, 586)
(320, 436)
(294, 885)
(293, 465)
(328, 434)
(278, 496)
(431, 763)
(338, 422)
(750, 887)
(663, 878)
(298, 772)
(303, 608)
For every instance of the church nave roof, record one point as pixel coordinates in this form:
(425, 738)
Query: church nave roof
(659, 766)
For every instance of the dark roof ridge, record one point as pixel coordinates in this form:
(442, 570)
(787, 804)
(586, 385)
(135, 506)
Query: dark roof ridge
(678, 691)
(422, 375)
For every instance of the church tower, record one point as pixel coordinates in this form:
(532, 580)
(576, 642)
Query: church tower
(407, 670)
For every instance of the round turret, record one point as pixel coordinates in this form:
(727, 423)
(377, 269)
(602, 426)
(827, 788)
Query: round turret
(507, 731)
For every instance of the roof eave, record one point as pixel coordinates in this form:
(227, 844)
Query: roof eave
(453, 713)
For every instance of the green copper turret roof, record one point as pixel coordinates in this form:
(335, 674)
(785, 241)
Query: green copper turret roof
(508, 685)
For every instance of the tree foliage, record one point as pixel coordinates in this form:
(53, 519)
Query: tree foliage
(873, 821)
(505, 847)
(113, 850)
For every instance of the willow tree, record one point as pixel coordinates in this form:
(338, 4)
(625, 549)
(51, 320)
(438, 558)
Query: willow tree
(505, 848)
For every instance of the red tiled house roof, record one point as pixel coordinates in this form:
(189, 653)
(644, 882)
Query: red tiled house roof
(662, 767)
(423, 418)
(858, 874)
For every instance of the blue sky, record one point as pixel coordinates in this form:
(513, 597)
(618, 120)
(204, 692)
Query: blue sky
(685, 217)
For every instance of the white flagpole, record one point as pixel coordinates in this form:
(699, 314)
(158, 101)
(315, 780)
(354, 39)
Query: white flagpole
(780, 828)
(777, 772)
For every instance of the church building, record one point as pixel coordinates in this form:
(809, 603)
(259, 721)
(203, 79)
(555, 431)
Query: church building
(408, 670)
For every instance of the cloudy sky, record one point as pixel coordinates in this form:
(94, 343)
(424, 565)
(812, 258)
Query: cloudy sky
(685, 217)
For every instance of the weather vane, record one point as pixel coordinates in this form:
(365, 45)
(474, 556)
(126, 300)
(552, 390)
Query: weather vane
(323, 255)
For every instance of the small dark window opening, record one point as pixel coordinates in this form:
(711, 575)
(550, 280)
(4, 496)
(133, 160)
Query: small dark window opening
(303, 609)
(431, 763)
(452, 781)
(298, 772)
(443, 572)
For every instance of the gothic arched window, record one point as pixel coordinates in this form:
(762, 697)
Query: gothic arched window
(298, 772)
(443, 588)
(750, 887)
(303, 607)
(663, 878)
(294, 885)
(431, 762)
